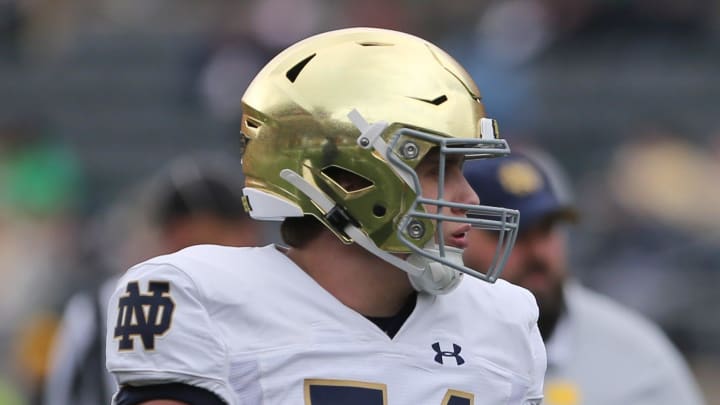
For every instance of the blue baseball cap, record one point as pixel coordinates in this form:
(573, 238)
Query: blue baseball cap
(524, 182)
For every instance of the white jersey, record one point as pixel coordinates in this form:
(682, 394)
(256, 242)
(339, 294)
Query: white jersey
(248, 325)
(601, 353)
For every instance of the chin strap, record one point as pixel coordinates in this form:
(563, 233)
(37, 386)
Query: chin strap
(437, 278)
(425, 274)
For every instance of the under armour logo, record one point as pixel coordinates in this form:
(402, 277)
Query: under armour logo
(455, 353)
(144, 315)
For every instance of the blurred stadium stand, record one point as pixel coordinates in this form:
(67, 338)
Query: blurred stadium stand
(119, 102)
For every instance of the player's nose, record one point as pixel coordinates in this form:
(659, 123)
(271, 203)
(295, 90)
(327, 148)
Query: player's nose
(465, 194)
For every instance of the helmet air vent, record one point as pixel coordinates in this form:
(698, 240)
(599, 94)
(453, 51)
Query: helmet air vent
(294, 72)
(379, 210)
(251, 128)
(373, 43)
(346, 179)
(252, 123)
(436, 101)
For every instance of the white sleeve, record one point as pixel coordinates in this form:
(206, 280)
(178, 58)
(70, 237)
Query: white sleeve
(538, 357)
(159, 331)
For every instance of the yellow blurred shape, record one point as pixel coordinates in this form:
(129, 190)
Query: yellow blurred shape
(33, 343)
(561, 393)
(520, 178)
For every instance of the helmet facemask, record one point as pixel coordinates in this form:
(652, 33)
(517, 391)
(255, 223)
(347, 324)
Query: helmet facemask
(432, 265)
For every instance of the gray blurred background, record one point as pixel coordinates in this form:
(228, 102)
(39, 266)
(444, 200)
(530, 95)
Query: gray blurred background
(96, 95)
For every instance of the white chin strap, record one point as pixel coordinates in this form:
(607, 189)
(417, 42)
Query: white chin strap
(425, 274)
(436, 277)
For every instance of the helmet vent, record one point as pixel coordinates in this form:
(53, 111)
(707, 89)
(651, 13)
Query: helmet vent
(436, 101)
(346, 179)
(294, 72)
(372, 43)
(251, 123)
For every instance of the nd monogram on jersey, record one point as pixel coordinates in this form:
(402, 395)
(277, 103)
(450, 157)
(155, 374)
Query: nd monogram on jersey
(249, 325)
(143, 315)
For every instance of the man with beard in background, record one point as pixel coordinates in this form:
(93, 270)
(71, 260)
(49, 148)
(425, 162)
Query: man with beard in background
(598, 352)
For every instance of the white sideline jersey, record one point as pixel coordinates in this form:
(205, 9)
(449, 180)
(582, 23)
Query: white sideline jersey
(602, 353)
(250, 326)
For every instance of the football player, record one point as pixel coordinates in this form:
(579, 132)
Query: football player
(355, 139)
(598, 352)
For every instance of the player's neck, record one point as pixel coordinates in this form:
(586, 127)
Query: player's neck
(354, 276)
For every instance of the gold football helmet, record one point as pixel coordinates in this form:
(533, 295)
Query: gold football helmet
(370, 104)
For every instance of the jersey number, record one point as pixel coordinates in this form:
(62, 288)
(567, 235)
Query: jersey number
(332, 392)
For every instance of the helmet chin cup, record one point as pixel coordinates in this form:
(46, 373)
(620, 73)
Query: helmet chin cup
(436, 278)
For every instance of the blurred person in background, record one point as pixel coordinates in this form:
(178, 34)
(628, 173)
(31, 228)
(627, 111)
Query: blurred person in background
(40, 190)
(599, 353)
(196, 200)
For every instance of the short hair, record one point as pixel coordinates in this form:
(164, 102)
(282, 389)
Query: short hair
(296, 232)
